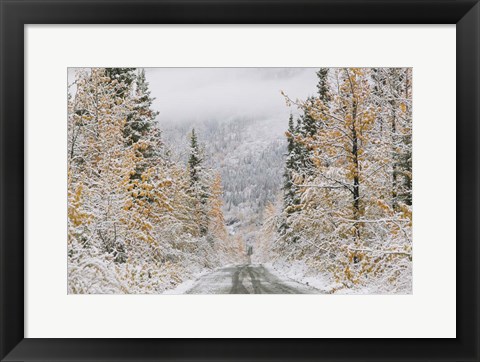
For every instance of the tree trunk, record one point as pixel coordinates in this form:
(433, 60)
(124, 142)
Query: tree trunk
(356, 178)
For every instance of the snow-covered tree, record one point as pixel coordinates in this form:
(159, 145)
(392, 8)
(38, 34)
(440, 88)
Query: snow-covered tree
(133, 212)
(353, 220)
(216, 220)
(199, 184)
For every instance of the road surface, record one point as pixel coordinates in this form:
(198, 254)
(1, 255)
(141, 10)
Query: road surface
(247, 279)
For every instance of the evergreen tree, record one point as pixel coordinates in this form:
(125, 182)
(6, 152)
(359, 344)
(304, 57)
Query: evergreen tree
(198, 184)
(141, 121)
(195, 160)
(309, 126)
(323, 86)
(125, 78)
(306, 147)
(301, 153)
(291, 198)
(290, 167)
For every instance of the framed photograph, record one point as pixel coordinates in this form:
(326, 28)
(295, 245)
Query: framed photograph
(239, 180)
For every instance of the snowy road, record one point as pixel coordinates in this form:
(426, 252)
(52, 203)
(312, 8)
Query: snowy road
(247, 279)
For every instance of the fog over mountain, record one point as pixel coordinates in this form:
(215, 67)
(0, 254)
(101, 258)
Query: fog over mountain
(199, 94)
(240, 116)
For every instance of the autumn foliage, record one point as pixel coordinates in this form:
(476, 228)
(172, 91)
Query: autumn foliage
(347, 208)
(132, 211)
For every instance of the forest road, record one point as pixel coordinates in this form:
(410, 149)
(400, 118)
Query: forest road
(247, 279)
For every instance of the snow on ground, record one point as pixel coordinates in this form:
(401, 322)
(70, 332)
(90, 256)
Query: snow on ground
(186, 285)
(299, 272)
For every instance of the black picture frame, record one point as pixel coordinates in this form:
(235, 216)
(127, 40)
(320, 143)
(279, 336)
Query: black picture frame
(15, 14)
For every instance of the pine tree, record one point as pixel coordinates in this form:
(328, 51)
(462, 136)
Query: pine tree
(140, 131)
(288, 186)
(141, 121)
(300, 162)
(308, 128)
(198, 184)
(195, 160)
(323, 87)
(124, 78)
(289, 192)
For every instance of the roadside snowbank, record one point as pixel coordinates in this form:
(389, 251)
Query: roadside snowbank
(300, 272)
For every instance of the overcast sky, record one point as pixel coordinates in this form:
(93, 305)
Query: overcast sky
(190, 94)
(199, 94)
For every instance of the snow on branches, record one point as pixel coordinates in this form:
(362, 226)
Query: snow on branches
(132, 211)
(347, 210)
